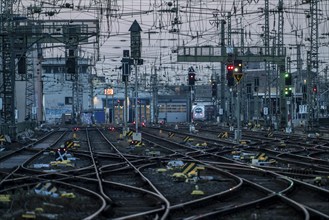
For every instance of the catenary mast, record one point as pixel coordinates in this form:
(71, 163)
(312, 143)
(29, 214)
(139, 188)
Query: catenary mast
(7, 69)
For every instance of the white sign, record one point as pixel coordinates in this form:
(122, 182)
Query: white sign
(137, 136)
(34, 110)
(229, 50)
(302, 109)
(265, 111)
(221, 111)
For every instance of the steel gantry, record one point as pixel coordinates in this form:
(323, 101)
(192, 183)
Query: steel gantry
(21, 52)
(245, 53)
(313, 67)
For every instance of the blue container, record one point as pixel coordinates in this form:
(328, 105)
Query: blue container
(99, 117)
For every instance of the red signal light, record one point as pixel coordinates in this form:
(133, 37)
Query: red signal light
(230, 67)
(315, 89)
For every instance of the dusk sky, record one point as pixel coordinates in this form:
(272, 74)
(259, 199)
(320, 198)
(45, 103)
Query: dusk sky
(193, 24)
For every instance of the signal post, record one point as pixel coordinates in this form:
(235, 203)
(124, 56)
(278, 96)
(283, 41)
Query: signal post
(191, 83)
(288, 96)
(238, 74)
(135, 46)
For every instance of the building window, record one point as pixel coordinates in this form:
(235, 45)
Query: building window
(47, 69)
(68, 100)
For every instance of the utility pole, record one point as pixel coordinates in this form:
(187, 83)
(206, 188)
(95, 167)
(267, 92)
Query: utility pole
(281, 68)
(126, 63)
(154, 83)
(268, 119)
(230, 58)
(314, 65)
(191, 84)
(72, 71)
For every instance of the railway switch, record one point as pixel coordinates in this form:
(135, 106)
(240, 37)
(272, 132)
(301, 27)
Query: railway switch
(47, 189)
(171, 134)
(204, 144)
(223, 135)
(69, 144)
(5, 198)
(137, 143)
(129, 133)
(187, 139)
(61, 153)
(197, 191)
(161, 170)
(29, 215)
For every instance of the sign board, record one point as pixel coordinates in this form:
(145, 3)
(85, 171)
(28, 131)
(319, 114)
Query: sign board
(238, 76)
(302, 109)
(137, 136)
(229, 50)
(265, 111)
(34, 110)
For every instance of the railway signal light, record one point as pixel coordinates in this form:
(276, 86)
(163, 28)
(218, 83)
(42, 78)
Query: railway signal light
(125, 71)
(229, 74)
(70, 65)
(287, 91)
(214, 89)
(238, 66)
(22, 65)
(315, 89)
(191, 76)
(287, 79)
(126, 63)
(304, 91)
(256, 84)
(230, 67)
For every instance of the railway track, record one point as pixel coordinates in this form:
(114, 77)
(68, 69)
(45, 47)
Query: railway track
(123, 181)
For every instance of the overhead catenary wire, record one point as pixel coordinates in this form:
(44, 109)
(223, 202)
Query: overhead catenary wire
(116, 15)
